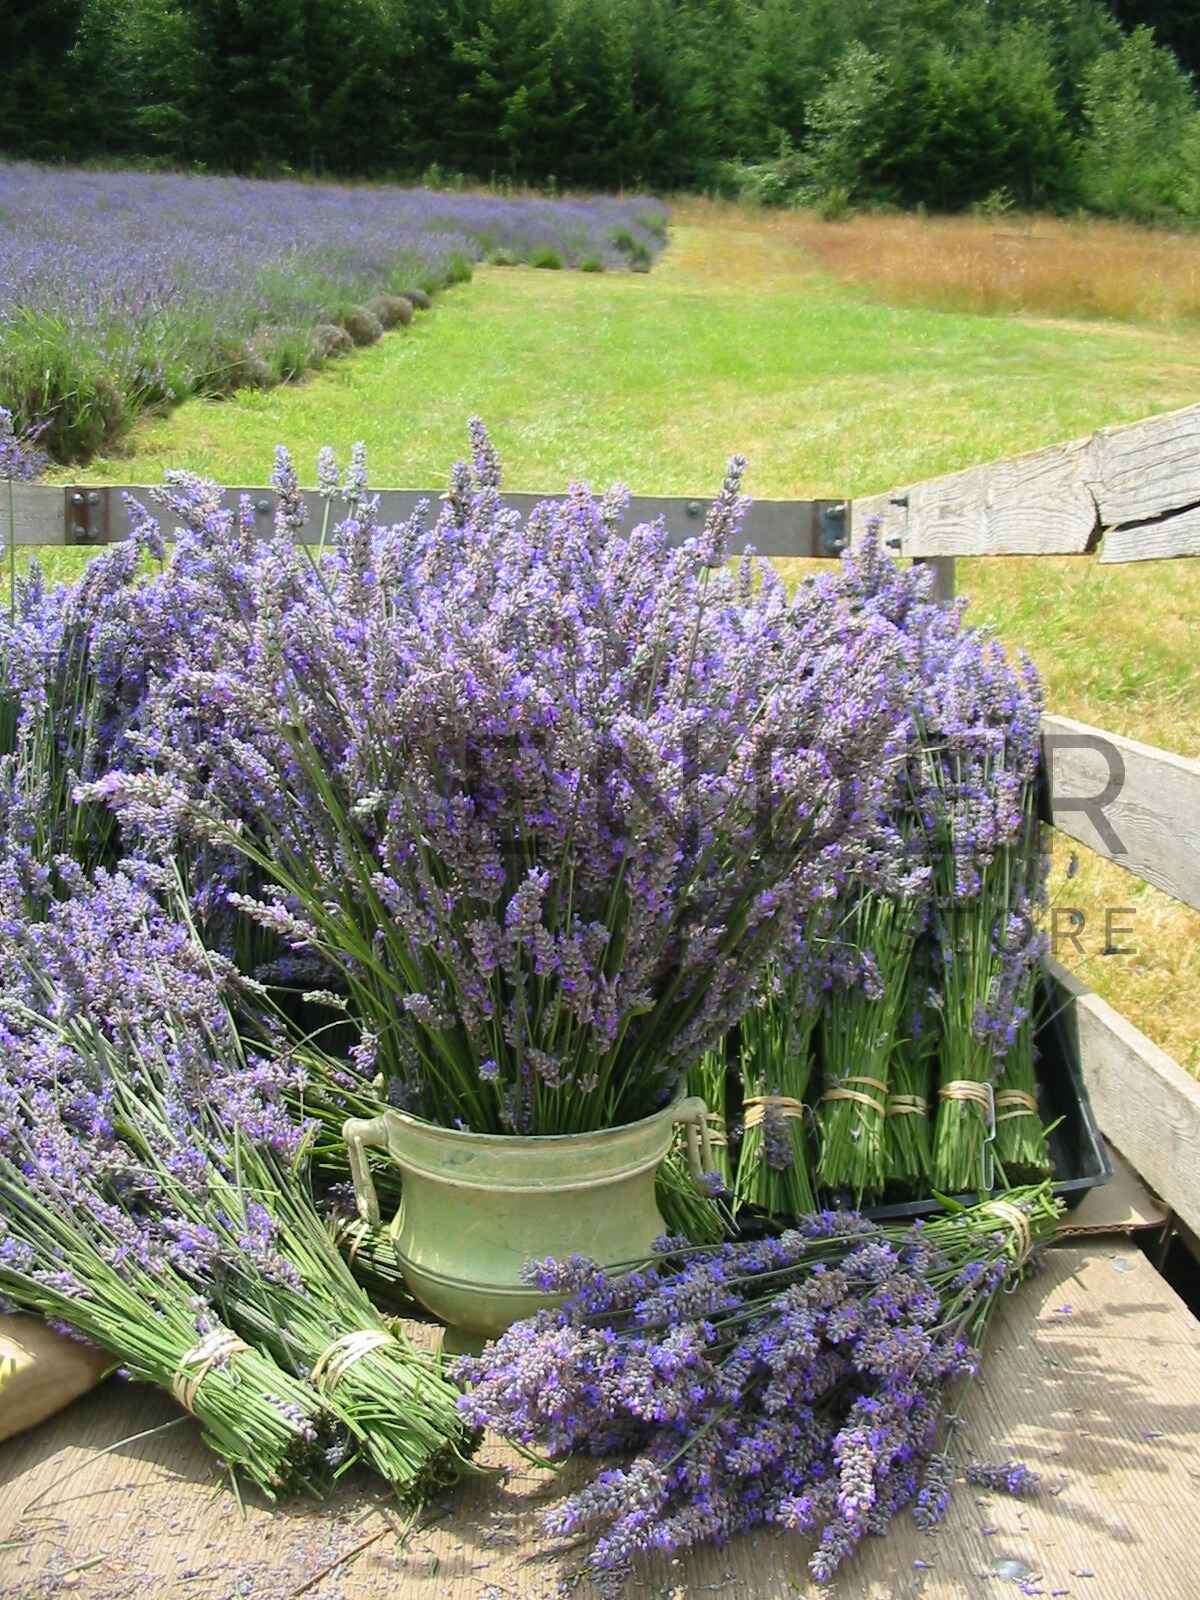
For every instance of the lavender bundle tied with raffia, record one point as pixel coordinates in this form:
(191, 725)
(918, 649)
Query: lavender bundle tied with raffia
(966, 809)
(777, 1060)
(77, 1247)
(804, 1381)
(976, 791)
(184, 1135)
(546, 795)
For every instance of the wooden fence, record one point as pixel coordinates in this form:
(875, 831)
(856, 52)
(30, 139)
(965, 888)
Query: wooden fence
(1129, 493)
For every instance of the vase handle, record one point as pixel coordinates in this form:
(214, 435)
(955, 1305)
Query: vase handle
(361, 1134)
(692, 1115)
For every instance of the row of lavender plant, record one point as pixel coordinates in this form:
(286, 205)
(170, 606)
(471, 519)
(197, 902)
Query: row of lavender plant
(125, 290)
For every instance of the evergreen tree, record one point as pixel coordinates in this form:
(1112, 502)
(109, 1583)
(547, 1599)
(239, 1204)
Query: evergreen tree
(1176, 25)
(41, 99)
(938, 101)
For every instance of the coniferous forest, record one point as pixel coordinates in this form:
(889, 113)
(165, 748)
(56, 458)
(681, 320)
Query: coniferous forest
(941, 103)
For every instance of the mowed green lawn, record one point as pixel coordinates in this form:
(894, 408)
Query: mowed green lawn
(735, 343)
(732, 343)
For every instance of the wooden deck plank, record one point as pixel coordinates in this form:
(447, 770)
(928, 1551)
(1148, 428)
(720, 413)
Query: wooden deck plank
(1093, 1378)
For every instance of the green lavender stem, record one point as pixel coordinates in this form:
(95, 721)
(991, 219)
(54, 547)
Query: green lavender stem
(776, 1059)
(858, 1032)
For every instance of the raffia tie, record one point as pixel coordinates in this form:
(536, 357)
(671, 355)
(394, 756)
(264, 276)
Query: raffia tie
(907, 1105)
(199, 1362)
(717, 1134)
(1025, 1103)
(335, 1361)
(842, 1093)
(965, 1089)
(357, 1231)
(1018, 1222)
(782, 1104)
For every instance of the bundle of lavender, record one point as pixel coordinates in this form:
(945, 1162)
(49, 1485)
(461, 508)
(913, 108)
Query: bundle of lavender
(776, 1060)
(95, 1271)
(77, 1246)
(974, 748)
(859, 1028)
(804, 1381)
(1019, 945)
(980, 771)
(282, 1282)
(196, 1136)
(546, 793)
(909, 1160)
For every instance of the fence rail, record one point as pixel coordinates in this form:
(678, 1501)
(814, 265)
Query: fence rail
(1145, 1103)
(98, 514)
(1132, 492)
(1136, 805)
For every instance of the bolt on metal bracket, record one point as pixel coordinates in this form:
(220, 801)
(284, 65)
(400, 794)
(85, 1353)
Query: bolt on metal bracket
(85, 518)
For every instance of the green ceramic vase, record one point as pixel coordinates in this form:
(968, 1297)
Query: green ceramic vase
(477, 1206)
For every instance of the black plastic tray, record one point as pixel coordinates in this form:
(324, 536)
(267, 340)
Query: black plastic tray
(1076, 1148)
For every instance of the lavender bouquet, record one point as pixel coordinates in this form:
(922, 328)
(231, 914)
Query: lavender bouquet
(974, 752)
(94, 1271)
(76, 1252)
(909, 1158)
(776, 1060)
(1021, 1147)
(547, 798)
(981, 748)
(197, 1141)
(859, 1027)
(804, 1381)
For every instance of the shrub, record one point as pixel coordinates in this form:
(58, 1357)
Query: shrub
(547, 258)
(844, 135)
(653, 222)
(503, 258)
(253, 371)
(591, 264)
(458, 269)
(285, 347)
(362, 325)
(833, 205)
(621, 239)
(45, 372)
(392, 310)
(417, 298)
(330, 340)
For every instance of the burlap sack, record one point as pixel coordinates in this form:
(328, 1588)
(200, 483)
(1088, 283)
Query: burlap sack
(40, 1372)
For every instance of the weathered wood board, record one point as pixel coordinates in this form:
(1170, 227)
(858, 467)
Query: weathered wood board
(1136, 487)
(1144, 1101)
(1093, 1378)
(1137, 805)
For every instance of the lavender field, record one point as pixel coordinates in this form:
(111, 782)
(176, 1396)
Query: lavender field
(125, 291)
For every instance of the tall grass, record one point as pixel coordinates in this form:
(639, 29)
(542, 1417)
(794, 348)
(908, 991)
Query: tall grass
(1037, 265)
